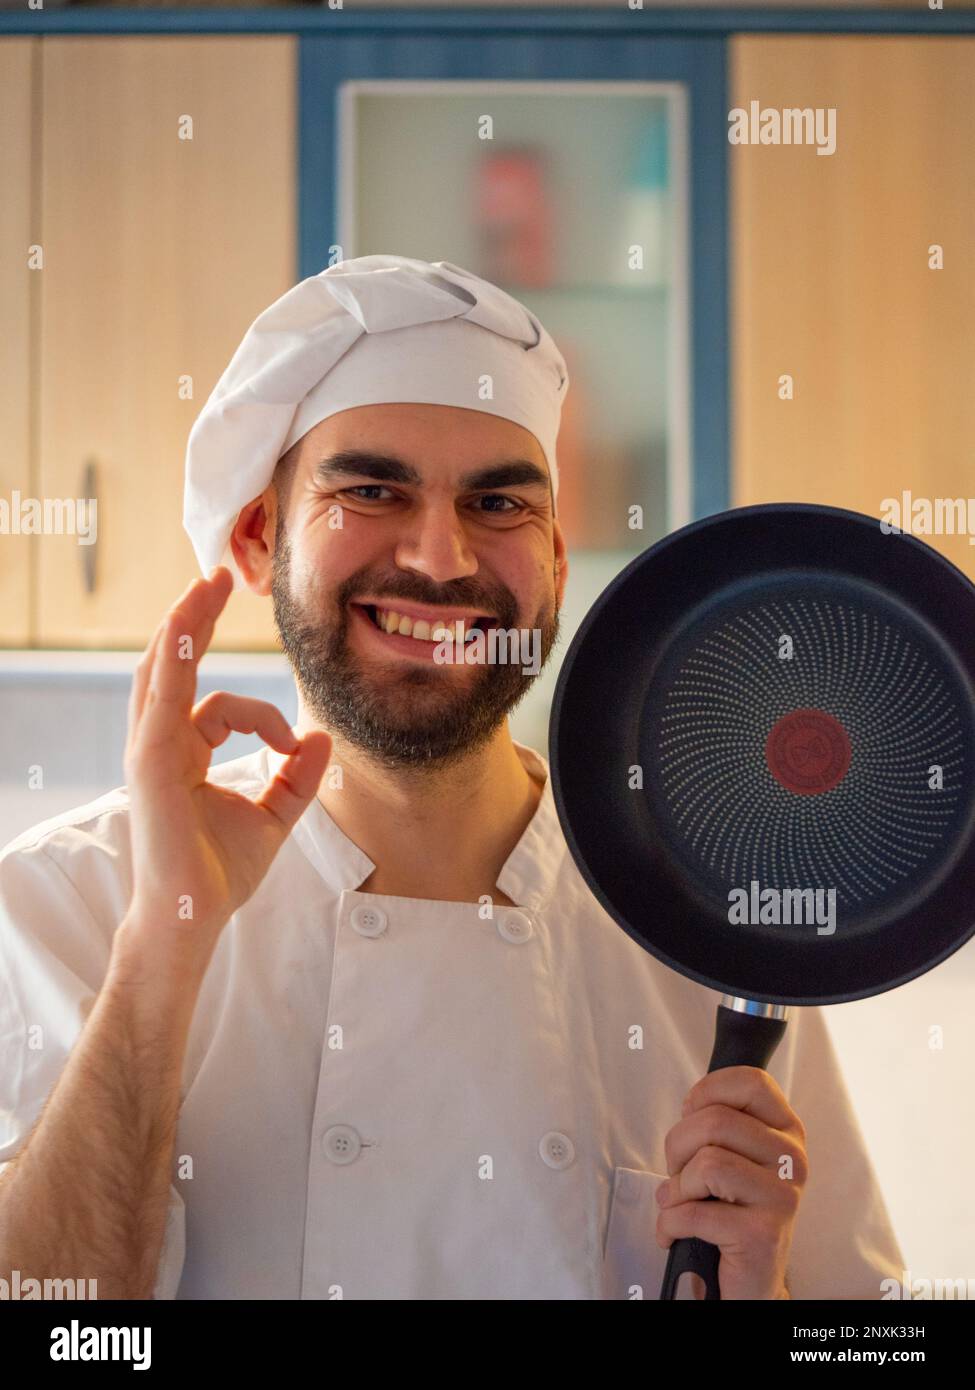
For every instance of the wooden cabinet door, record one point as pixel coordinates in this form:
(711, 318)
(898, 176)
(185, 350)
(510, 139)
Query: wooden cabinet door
(18, 284)
(831, 277)
(159, 251)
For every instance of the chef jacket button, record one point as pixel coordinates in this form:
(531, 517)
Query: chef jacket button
(368, 921)
(341, 1143)
(515, 927)
(557, 1149)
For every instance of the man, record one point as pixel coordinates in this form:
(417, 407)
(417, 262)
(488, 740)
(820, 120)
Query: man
(341, 1018)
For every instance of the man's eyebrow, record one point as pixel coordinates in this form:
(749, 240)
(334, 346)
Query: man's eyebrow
(506, 473)
(386, 468)
(354, 463)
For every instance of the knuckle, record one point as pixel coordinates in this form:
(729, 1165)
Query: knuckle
(693, 1215)
(213, 697)
(798, 1159)
(714, 1122)
(758, 1082)
(713, 1162)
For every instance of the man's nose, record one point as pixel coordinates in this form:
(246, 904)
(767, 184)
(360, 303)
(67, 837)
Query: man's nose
(436, 544)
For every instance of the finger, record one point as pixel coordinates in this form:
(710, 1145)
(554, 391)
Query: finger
(220, 714)
(724, 1224)
(745, 1088)
(731, 1129)
(186, 632)
(143, 670)
(297, 779)
(140, 682)
(729, 1177)
(202, 603)
(221, 589)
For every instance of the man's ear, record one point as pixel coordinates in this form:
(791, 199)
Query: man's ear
(252, 541)
(561, 562)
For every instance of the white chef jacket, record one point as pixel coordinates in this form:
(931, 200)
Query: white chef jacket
(396, 1098)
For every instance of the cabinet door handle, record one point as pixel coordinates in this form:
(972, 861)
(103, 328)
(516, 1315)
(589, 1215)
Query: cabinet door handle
(89, 553)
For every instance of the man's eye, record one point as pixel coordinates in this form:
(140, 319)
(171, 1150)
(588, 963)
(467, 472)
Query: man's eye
(500, 497)
(367, 487)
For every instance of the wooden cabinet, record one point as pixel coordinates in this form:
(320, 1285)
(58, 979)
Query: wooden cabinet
(167, 216)
(831, 281)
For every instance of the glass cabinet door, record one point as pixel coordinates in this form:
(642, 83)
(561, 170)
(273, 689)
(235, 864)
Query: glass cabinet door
(572, 197)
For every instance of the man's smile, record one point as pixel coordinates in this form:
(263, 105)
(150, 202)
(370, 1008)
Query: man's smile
(411, 637)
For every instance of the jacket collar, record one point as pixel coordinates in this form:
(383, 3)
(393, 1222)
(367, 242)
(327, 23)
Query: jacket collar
(528, 876)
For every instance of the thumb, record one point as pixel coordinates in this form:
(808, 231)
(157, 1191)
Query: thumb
(298, 778)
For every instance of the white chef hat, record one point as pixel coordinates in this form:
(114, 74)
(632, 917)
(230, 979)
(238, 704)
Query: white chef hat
(367, 331)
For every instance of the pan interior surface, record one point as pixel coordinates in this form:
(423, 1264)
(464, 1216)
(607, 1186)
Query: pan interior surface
(768, 781)
(808, 732)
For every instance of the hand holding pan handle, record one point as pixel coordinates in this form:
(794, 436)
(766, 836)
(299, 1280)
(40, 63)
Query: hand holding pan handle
(746, 1035)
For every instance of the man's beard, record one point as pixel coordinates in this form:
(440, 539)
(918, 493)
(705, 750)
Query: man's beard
(401, 714)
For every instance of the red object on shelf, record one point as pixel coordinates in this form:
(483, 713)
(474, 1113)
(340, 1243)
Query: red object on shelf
(514, 218)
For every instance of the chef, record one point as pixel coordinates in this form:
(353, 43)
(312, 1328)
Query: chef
(340, 1018)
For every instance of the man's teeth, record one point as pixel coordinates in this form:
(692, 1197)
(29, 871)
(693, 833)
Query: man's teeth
(439, 630)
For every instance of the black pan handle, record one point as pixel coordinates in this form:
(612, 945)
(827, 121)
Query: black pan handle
(742, 1038)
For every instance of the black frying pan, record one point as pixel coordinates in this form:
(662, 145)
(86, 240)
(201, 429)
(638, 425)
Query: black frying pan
(781, 696)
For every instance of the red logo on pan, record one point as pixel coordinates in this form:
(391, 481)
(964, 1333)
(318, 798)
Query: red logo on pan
(808, 752)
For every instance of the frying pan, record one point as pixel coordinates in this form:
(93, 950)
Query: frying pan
(778, 698)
